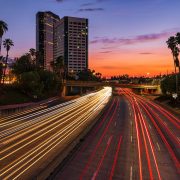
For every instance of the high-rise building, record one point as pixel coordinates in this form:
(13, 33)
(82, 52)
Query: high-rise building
(45, 23)
(71, 42)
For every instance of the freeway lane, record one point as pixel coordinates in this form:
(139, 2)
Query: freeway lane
(41, 106)
(166, 137)
(106, 151)
(166, 125)
(128, 142)
(30, 145)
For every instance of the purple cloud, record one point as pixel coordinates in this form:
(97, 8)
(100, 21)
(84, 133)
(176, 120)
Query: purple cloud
(101, 0)
(105, 52)
(133, 40)
(87, 4)
(145, 53)
(109, 67)
(90, 9)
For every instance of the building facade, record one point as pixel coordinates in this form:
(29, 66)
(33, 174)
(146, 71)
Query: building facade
(45, 24)
(71, 42)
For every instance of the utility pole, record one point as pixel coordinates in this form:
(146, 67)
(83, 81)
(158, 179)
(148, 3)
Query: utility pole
(176, 77)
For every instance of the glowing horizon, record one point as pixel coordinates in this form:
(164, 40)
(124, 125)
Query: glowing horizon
(124, 37)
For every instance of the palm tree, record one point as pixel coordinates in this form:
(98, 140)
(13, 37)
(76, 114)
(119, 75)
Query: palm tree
(3, 29)
(178, 38)
(172, 44)
(7, 43)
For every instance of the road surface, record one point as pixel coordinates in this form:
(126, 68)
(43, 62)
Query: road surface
(30, 140)
(134, 139)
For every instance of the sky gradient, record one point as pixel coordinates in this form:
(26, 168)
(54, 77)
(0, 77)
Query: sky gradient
(125, 36)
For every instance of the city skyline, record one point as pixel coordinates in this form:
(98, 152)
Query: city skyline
(125, 37)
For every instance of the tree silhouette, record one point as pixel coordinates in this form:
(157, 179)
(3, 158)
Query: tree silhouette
(3, 29)
(7, 43)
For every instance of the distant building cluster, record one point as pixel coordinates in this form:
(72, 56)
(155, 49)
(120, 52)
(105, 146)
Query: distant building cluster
(67, 37)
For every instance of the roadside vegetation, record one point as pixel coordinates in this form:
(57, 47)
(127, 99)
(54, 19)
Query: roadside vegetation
(29, 81)
(170, 84)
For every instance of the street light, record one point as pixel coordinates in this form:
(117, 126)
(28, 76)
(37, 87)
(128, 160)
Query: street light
(176, 64)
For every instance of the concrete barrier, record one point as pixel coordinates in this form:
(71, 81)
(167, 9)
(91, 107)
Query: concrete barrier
(11, 109)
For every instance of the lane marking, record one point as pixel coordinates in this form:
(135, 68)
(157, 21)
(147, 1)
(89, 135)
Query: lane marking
(89, 160)
(102, 158)
(178, 139)
(131, 173)
(145, 143)
(165, 123)
(138, 142)
(130, 114)
(149, 126)
(109, 140)
(94, 175)
(158, 146)
(131, 139)
(55, 143)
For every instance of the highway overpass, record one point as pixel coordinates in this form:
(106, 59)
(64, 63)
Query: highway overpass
(69, 85)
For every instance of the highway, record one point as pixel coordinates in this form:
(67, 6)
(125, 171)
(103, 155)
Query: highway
(134, 139)
(32, 139)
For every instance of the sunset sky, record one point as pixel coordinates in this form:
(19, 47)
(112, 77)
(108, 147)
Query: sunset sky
(125, 36)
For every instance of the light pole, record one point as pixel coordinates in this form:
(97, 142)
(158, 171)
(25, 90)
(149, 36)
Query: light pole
(176, 64)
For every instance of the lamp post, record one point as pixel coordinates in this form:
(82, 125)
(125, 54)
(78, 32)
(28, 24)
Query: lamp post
(176, 64)
(176, 76)
(175, 52)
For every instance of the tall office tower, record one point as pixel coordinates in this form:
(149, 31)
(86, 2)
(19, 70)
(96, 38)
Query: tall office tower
(71, 42)
(45, 23)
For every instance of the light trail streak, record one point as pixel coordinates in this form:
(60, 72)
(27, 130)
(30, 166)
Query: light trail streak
(115, 158)
(160, 128)
(45, 119)
(20, 113)
(97, 129)
(14, 129)
(146, 149)
(168, 131)
(46, 110)
(97, 145)
(55, 125)
(138, 141)
(152, 149)
(65, 133)
(102, 158)
(175, 121)
(145, 133)
(58, 140)
(52, 141)
(171, 152)
(171, 134)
